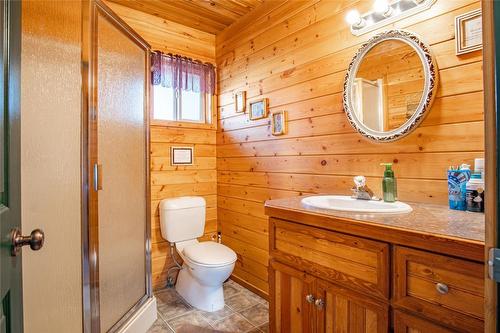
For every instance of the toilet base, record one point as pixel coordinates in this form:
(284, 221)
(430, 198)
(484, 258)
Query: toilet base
(206, 298)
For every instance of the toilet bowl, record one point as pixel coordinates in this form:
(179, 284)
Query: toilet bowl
(206, 264)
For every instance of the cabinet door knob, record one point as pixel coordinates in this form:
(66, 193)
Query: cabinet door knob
(319, 303)
(442, 288)
(310, 298)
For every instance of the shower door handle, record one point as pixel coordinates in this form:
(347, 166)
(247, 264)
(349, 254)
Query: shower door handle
(97, 177)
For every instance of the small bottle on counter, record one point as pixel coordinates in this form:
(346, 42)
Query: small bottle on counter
(389, 186)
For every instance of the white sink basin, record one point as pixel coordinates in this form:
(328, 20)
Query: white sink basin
(348, 204)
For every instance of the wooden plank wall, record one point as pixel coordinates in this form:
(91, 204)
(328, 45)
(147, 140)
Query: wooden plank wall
(167, 181)
(296, 54)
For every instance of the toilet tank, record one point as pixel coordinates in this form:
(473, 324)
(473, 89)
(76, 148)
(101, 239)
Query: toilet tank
(182, 218)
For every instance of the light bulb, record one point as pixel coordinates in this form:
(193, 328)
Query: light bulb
(353, 18)
(382, 7)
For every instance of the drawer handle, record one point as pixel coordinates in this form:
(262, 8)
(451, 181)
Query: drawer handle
(319, 303)
(310, 298)
(442, 288)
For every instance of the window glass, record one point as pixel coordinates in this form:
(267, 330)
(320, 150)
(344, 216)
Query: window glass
(164, 103)
(191, 106)
(183, 106)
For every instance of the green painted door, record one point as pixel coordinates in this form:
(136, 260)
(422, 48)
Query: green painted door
(11, 314)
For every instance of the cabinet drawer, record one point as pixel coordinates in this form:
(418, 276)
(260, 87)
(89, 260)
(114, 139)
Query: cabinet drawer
(405, 323)
(446, 289)
(356, 263)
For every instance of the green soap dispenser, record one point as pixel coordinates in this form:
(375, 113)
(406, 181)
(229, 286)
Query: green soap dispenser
(389, 186)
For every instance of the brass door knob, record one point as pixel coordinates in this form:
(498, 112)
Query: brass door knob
(34, 240)
(310, 298)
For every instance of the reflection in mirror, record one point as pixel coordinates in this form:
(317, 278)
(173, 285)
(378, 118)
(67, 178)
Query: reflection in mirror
(388, 85)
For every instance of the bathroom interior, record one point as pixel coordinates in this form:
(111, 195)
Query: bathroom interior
(249, 166)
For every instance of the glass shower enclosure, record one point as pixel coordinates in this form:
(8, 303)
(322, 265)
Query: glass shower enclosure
(117, 265)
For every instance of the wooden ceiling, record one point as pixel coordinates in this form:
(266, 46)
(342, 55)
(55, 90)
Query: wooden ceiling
(211, 16)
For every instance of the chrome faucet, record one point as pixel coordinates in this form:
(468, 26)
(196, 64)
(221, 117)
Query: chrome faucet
(361, 191)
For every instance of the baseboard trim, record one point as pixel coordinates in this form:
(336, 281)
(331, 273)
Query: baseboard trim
(143, 319)
(250, 287)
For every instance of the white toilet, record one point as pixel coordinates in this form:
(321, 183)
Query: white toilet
(206, 264)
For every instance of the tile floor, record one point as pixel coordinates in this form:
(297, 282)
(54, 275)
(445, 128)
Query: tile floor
(244, 312)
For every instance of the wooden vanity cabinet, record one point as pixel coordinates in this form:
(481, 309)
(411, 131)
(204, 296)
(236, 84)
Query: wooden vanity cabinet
(446, 289)
(327, 281)
(303, 303)
(345, 311)
(357, 263)
(406, 323)
(290, 290)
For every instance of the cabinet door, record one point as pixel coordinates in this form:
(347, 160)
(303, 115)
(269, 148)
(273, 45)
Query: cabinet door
(290, 290)
(405, 323)
(341, 310)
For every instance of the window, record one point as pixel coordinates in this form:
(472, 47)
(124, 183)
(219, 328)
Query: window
(169, 104)
(183, 89)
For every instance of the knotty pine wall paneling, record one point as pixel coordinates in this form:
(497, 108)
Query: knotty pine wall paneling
(173, 181)
(296, 54)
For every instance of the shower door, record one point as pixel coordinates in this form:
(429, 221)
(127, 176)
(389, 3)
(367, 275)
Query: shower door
(118, 169)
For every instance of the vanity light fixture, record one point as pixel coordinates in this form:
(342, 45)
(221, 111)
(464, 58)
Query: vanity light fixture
(382, 7)
(384, 12)
(354, 19)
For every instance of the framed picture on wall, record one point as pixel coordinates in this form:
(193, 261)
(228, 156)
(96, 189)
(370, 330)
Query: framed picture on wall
(469, 32)
(279, 122)
(240, 101)
(258, 109)
(181, 156)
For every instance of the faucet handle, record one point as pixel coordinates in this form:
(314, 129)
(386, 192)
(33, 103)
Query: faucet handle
(360, 181)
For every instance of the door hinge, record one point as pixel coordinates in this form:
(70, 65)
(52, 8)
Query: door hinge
(494, 264)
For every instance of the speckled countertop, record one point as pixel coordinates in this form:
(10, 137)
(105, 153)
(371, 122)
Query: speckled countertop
(430, 219)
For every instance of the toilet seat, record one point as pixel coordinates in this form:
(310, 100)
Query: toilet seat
(209, 254)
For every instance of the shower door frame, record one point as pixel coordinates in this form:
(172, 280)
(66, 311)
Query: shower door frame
(91, 9)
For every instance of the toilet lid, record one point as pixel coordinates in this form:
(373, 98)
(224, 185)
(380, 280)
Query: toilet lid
(210, 253)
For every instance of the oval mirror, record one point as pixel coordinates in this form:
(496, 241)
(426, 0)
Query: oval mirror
(390, 85)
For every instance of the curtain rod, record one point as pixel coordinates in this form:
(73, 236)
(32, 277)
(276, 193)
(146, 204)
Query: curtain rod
(183, 57)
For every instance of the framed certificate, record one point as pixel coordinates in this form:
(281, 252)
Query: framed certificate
(469, 32)
(181, 155)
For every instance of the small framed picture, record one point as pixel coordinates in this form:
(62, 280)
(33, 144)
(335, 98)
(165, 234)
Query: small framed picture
(181, 155)
(258, 109)
(240, 101)
(279, 122)
(469, 32)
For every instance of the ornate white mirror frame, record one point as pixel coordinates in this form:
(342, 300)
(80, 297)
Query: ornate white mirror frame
(428, 94)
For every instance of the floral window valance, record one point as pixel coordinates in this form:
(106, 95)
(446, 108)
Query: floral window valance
(178, 72)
